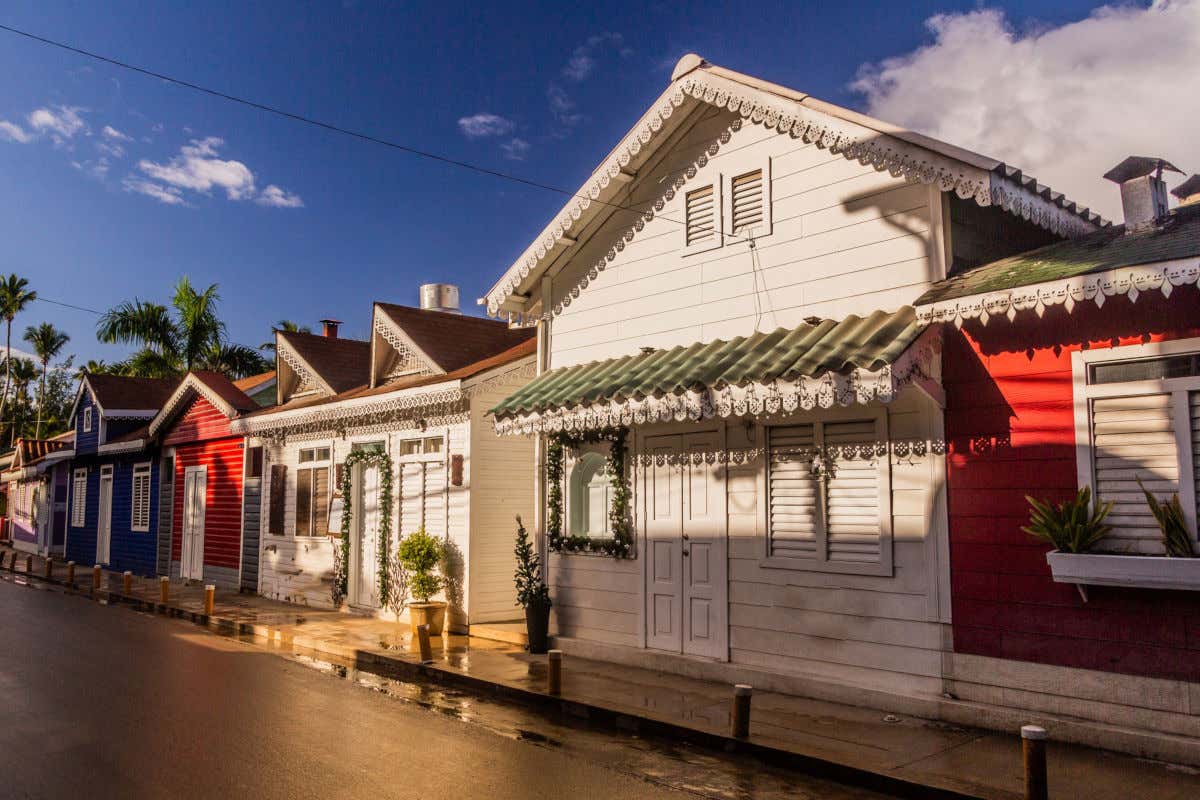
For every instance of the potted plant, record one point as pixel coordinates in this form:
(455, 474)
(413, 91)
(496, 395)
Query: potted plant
(532, 592)
(420, 555)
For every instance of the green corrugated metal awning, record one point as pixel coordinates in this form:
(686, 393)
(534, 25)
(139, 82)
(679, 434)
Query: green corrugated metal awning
(855, 343)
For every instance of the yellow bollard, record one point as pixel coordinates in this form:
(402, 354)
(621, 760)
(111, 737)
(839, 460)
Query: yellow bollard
(1033, 752)
(554, 673)
(71, 574)
(210, 592)
(423, 642)
(48, 567)
(741, 710)
(96, 578)
(127, 584)
(164, 589)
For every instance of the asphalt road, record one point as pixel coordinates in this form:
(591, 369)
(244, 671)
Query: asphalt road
(104, 702)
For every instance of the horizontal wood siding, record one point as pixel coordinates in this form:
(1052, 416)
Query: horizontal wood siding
(596, 598)
(86, 441)
(136, 551)
(223, 501)
(81, 541)
(202, 421)
(1011, 425)
(166, 508)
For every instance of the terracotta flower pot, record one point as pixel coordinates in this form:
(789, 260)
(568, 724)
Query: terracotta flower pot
(432, 614)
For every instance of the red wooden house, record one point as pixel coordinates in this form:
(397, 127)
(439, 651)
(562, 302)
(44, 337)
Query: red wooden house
(1078, 364)
(215, 485)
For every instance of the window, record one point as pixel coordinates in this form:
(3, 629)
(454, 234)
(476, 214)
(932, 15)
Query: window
(254, 462)
(829, 496)
(590, 496)
(87, 420)
(79, 498)
(312, 493)
(1137, 417)
(416, 447)
(141, 498)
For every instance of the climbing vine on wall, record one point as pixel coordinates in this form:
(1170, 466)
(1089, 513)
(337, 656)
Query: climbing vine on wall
(620, 545)
(341, 563)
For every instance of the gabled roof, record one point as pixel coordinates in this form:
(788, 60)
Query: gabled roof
(1106, 263)
(252, 382)
(212, 386)
(30, 451)
(451, 341)
(124, 394)
(855, 136)
(338, 364)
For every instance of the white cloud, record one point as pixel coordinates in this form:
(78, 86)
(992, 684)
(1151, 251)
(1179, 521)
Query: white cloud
(59, 123)
(14, 133)
(111, 149)
(279, 198)
(484, 124)
(583, 59)
(1063, 104)
(163, 194)
(562, 106)
(198, 168)
(516, 149)
(112, 133)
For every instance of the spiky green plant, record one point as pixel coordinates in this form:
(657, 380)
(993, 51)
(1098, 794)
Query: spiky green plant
(1073, 526)
(1171, 524)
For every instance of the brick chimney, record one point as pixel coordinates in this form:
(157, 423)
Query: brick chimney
(1188, 192)
(1143, 191)
(329, 328)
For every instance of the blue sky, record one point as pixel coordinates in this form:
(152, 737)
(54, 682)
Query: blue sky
(562, 82)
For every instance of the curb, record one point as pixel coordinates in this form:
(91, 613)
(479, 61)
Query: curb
(395, 667)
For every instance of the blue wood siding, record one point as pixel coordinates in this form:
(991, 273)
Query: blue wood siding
(131, 550)
(85, 443)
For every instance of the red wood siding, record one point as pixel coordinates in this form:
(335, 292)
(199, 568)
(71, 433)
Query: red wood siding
(1010, 422)
(201, 421)
(223, 511)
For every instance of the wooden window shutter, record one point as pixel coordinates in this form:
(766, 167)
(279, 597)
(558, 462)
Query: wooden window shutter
(792, 491)
(701, 215)
(746, 203)
(304, 502)
(278, 498)
(853, 529)
(434, 497)
(1134, 437)
(320, 501)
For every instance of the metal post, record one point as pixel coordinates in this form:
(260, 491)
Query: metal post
(127, 583)
(71, 574)
(1033, 749)
(423, 643)
(48, 567)
(96, 576)
(554, 673)
(210, 592)
(741, 710)
(164, 589)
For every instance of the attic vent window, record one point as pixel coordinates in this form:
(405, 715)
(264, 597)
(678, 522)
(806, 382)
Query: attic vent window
(701, 216)
(747, 201)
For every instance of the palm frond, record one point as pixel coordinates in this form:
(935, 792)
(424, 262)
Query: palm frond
(146, 324)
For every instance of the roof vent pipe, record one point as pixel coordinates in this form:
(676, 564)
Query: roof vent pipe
(440, 297)
(329, 328)
(1143, 191)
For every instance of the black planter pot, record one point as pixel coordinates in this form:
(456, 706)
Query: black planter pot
(537, 627)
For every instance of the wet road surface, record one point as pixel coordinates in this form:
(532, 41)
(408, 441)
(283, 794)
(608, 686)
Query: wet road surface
(107, 702)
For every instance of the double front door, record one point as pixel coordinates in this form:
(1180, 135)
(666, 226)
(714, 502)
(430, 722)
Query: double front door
(195, 499)
(686, 544)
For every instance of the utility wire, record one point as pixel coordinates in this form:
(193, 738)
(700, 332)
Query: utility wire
(67, 305)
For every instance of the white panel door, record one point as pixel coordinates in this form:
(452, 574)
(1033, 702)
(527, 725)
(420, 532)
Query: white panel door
(664, 545)
(195, 491)
(104, 523)
(704, 547)
(365, 570)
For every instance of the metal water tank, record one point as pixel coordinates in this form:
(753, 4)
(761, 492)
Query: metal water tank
(440, 297)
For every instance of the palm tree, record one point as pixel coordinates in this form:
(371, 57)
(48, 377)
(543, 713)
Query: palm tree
(15, 294)
(24, 372)
(48, 341)
(96, 367)
(188, 335)
(287, 326)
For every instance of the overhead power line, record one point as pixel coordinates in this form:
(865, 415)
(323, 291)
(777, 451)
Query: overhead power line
(67, 305)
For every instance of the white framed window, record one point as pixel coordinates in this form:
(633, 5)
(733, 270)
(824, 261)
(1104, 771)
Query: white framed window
(749, 203)
(312, 492)
(140, 500)
(702, 218)
(828, 495)
(589, 496)
(1137, 416)
(87, 420)
(429, 445)
(79, 498)
(311, 454)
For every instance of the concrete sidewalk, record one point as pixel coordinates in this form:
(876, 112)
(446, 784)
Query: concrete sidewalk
(861, 746)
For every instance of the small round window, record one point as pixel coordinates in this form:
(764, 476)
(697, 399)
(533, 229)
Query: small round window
(590, 490)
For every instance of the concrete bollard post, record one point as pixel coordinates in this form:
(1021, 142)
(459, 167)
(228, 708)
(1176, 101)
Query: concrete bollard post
(97, 576)
(424, 645)
(164, 589)
(741, 710)
(127, 583)
(28, 565)
(1033, 750)
(210, 592)
(71, 574)
(48, 567)
(554, 673)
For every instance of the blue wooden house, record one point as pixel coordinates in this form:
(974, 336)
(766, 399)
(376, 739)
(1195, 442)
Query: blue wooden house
(114, 482)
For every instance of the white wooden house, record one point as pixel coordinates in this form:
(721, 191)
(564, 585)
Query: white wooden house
(731, 288)
(418, 391)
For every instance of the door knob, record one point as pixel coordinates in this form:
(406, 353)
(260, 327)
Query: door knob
(685, 552)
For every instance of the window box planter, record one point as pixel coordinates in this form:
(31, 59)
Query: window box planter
(1146, 572)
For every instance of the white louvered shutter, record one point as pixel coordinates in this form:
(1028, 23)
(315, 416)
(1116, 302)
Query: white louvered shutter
(141, 498)
(1134, 438)
(412, 485)
(435, 498)
(701, 215)
(853, 518)
(793, 491)
(747, 201)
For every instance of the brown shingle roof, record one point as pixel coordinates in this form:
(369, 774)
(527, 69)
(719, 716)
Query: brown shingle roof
(249, 384)
(226, 390)
(122, 392)
(30, 451)
(342, 363)
(454, 341)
